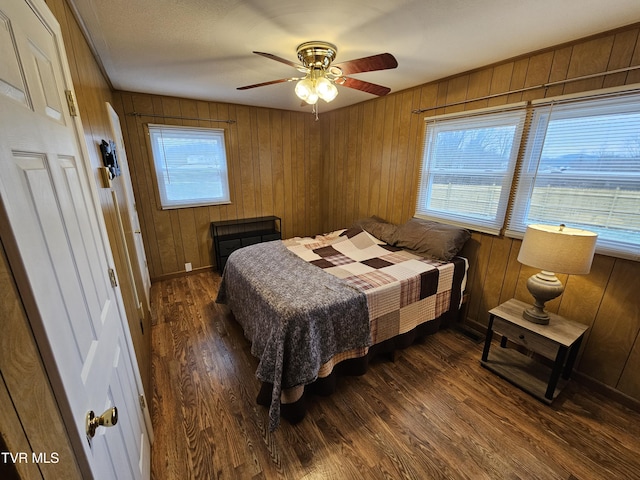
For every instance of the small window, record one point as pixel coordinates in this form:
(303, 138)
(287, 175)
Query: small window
(468, 166)
(581, 167)
(190, 165)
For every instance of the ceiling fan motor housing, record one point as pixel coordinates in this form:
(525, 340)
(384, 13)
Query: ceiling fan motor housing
(317, 54)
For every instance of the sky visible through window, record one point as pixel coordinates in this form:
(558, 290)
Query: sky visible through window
(593, 144)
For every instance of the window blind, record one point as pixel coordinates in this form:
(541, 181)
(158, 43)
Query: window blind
(467, 167)
(581, 167)
(190, 165)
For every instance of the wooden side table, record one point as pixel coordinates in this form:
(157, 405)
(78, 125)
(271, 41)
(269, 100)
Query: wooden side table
(558, 341)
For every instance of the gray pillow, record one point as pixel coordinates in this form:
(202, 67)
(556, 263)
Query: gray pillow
(378, 227)
(431, 239)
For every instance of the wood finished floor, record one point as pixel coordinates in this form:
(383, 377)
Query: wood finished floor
(434, 413)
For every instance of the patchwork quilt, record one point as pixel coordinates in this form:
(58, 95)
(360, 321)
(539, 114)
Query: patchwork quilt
(403, 290)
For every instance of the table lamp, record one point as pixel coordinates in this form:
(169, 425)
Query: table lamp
(553, 249)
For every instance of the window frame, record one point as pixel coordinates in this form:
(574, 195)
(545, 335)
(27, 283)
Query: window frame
(522, 186)
(160, 170)
(506, 115)
(607, 102)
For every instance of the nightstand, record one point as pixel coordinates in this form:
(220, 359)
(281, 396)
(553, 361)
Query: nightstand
(558, 341)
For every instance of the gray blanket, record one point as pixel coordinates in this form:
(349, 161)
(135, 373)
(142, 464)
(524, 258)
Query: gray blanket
(295, 315)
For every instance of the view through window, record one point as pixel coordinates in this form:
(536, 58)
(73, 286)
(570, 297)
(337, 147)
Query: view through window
(190, 165)
(468, 168)
(580, 166)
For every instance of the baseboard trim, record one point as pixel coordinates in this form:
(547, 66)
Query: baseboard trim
(472, 329)
(169, 276)
(606, 390)
(576, 375)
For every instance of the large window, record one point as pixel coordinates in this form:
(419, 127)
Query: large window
(190, 165)
(581, 167)
(468, 166)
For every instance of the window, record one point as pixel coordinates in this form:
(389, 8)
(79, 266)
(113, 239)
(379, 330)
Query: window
(581, 167)
(190, 165)
(468, 167)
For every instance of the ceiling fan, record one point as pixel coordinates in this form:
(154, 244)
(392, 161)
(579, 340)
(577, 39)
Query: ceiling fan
(321, 77)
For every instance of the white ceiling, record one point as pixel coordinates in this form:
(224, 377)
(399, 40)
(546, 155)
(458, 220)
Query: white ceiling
(202, 49)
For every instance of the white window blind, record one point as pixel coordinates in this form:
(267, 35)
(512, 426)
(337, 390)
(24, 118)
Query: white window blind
(467, 167)
(190, 165)
(581, 167)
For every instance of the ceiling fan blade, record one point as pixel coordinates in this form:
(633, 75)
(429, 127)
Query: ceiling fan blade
(365, 86)
(382, 61)
(279, 59)
(264, 84)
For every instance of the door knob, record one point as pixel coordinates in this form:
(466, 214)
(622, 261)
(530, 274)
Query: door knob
(108, 419)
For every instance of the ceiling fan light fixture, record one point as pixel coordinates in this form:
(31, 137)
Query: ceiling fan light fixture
(312, 99)
(326, 89)
(305, 88)
(314, 86)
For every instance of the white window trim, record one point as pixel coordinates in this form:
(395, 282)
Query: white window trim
(610, 248)
(487, 225)
(517, 216)
(157, 159)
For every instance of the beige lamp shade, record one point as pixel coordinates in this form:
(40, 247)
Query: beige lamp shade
(558, 249)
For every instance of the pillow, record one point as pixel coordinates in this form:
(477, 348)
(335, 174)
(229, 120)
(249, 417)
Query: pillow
(368, 221)
(378, 227)
(431, 239)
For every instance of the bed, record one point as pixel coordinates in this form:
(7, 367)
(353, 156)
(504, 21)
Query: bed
(317, 307)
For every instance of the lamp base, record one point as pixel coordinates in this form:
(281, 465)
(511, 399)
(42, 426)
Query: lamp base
(536, 316)
(543, 286)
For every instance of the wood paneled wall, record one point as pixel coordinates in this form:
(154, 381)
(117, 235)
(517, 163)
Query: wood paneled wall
(30, 420)
(274, 169)
(371, 156)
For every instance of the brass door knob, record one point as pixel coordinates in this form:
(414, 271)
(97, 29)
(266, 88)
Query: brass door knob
(108, 419)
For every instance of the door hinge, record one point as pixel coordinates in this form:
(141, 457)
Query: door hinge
(73, 111)
(112, 277)
(143, 404)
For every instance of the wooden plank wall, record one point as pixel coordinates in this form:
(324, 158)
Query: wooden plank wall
(30, 420)
(371, 155)
(274, 169)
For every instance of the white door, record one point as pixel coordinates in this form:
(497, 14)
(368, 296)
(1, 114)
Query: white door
(132, 233)
(54, 233)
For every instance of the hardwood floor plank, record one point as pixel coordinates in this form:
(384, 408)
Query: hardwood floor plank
(432, 413)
